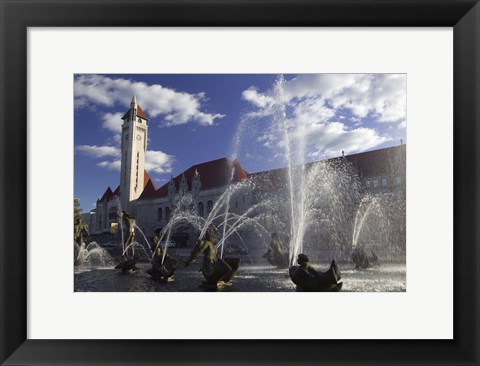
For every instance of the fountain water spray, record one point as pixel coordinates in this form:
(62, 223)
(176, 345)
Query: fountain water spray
(179, 215)
(316, 195)
(363, 210)
(92, 254)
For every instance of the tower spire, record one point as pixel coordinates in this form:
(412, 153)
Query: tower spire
(134, 103)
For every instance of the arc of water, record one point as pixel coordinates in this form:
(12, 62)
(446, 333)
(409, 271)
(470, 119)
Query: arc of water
(239, 218)
(169, 233)
(234, 229)
(241, 221)
(167, 229)
(144, 237)
(177, 217)
(357, 228)
(216, 207)
(85, 252)
(227, 206)
(133, 245)
(236, 144)
(120, 223)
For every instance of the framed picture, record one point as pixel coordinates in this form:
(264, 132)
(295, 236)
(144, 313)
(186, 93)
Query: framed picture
(309, 102)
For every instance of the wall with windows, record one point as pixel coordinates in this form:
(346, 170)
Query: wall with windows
(384, 184)
(154, 214)
(105, 215)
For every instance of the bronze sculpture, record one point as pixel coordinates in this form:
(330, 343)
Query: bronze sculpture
(276, 255)
(215, 270)
(308, 279)
(162, 269)
(362, 261)
(127, 264)
(80, 228)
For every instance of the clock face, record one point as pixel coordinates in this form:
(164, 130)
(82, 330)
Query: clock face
(139, 137)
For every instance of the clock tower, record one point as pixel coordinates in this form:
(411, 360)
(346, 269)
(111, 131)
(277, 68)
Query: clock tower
(133, 148)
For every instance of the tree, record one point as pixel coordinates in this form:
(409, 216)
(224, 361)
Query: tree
(77, 211)
(79, 226)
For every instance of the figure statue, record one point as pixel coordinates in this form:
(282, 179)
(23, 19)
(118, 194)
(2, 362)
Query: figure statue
(308, 279)
(374, 261)
(80, 228)
(161, 269)
(129, 257)
(276, 255)
(360, 258)
(215, 270)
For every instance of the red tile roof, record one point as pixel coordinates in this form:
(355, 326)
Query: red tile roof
(140, 113)
(148, 185)
(372, 163)
(147, 180)
(379, 162)
(215, 173)
(149, 190)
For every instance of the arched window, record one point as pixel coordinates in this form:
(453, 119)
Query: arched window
(209, 207)
(160, 214)
(167, 213)
(200, 209)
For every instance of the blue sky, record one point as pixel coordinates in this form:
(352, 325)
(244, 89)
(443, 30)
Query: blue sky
(197, 118)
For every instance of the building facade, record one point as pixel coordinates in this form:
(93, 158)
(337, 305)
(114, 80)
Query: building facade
(378, 171)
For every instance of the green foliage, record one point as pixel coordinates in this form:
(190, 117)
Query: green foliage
(76, 209)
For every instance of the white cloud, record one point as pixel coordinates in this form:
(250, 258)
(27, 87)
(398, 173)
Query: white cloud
(333, 138)
(155, 161)
(110, 165)
(381, 96)
(313, 104)
(175, 107)
(113, 122)
(98, 151)
(259, 100)
(158, 162)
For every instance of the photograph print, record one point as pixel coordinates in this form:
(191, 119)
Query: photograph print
(239, 182)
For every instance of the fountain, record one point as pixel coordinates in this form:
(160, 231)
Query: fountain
(163, 265)
(318, 209)
(276, 254)
(378, 227)
(316, 198)
(217, 269)
(218, 272)
(91, 255)
(179, 215)
(129, 257)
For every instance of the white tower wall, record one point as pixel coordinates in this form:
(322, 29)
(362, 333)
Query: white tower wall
(133, 149)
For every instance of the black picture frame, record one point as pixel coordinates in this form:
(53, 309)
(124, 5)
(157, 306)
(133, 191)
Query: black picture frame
(17, 15)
